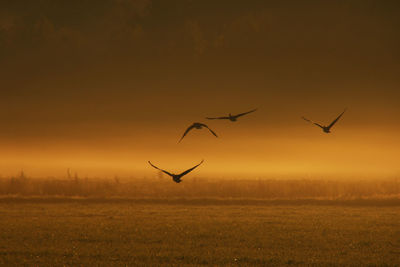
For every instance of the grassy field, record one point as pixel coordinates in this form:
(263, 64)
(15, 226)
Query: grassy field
(110, 233)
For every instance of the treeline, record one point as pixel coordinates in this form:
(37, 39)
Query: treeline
(163, 187)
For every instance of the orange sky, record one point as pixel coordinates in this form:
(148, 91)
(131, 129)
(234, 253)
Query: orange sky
(103, 88)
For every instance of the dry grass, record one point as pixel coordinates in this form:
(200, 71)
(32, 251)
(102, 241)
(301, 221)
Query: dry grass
(120, 234)
(200, 188)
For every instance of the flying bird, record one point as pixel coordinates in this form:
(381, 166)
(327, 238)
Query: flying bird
(177, 177)
(231, 117)
(197, 125)
(326, 129)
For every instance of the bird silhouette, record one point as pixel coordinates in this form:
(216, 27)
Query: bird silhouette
(197, 125)
(177, 177)
(231, 117)
(326, 129)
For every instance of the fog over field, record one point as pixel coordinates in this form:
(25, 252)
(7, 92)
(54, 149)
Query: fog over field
(163, 187)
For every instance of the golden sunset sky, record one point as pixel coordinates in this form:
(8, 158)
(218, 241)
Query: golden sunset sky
(103, 86)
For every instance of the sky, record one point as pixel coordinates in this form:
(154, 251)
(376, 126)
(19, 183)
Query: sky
(101, 87)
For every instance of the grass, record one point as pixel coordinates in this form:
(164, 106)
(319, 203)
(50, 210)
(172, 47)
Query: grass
(164, 188)
(134, 233)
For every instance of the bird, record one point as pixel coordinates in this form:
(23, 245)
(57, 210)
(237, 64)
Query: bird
(326, 129)
(177, 177)
(231, 117)
(197, 125)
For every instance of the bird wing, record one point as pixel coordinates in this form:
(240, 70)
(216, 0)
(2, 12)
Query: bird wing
(185, 133)
(209, 129)
(330, 125)
(160, 169)
(191, 169)
(218, 118)
(244, 113)
(310, 121)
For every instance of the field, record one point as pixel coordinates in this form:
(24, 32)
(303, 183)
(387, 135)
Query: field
(106, 232)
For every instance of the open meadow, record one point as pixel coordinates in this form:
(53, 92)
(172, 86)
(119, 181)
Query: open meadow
(107, 232)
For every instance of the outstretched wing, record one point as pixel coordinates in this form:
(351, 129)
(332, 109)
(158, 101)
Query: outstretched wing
(310, 121)
(330, 125)
(209, 129)
(160, 169)
(185, 133)
(218, 118)
(241, 114)
(191, 169)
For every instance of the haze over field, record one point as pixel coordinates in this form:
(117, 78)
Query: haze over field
(102, 88)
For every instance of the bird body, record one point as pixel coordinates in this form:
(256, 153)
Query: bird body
(197, 125)
(231, 117)
(325, 129)
(177, 177)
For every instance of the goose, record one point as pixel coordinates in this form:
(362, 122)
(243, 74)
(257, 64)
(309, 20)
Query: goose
(326, 129)
(197, 125)
(231, 117)
(177, 177)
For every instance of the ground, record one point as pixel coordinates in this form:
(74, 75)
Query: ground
(82, 233)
